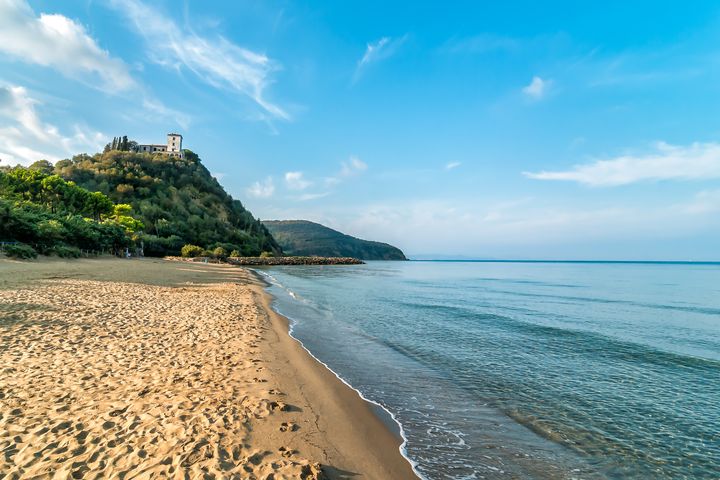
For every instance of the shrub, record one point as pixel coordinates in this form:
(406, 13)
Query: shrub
(191, 251)
(235, 253)
(20, 250)
(219, 252)
(155, 246)
(66, 252)
(266, 255)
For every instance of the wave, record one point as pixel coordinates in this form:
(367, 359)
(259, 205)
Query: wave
(391, 415)
(584, 342)
(689, 309)
(580, 377)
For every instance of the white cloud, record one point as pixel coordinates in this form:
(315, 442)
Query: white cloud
(697, 161)
(452, 165)
(60, 43)
(378, 50)
(261, 189)
(707, 201)
(374, 51)
(312, 196)
(296, 181)
(533, 227)
(216, 61)
(529, 227)
(25, 137)
(352, 167)
(157, 108)
(537, 88)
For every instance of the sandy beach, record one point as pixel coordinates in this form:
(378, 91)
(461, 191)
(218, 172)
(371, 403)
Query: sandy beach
(154, 369)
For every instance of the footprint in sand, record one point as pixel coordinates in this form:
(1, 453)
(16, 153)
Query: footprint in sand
(289, 427)
(287, 452)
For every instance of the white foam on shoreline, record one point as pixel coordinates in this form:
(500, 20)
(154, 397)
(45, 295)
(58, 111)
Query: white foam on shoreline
(291, 324)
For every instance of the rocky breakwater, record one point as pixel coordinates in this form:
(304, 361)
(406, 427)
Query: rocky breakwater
(294, 261)
(256, 261)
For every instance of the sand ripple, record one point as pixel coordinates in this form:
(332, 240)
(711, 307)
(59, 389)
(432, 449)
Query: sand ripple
(101, 379)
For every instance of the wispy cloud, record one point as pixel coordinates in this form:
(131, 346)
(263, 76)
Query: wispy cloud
(296, 181)
(642, 67)
(55, 41)
(537, 88)
(62, 44)
(531, 226)
(697, 161)
(216, 61)
(349, 168)
(352, 167)
(376, 51)
(25, 137)
(261, 189)
(452, 165)
(706, 201)
(157, 108)
(312, 196)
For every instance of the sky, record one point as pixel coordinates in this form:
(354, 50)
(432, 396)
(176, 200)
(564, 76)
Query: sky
(525, 129)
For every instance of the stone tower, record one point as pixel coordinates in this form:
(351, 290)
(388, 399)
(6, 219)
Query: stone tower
(174, 144)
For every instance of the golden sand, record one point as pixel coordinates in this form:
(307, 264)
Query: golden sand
(148, 369)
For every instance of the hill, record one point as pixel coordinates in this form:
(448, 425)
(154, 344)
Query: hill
(176, 199)
(301, 237)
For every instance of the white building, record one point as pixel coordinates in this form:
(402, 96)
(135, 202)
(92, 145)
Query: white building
(172, 148)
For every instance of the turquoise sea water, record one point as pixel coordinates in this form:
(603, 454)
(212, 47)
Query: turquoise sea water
(526, 370)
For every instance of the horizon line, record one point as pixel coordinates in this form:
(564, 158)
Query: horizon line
(480, 260)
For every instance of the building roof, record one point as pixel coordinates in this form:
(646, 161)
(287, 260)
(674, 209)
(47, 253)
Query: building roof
(176, 134)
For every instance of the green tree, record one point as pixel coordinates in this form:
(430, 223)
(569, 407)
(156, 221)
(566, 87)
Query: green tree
(42, 166)
(97, 205)
(50, 232)
(53, 190)
(122, 215)
(191, 251)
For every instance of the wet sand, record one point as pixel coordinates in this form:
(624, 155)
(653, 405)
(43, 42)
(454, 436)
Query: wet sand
(147, 368)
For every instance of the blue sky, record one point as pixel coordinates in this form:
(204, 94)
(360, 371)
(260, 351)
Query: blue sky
(521, 130)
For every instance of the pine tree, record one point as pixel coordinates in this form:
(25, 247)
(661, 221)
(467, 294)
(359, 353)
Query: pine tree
(124, 147)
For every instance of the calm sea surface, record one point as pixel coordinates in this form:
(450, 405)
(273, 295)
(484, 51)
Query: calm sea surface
(540, 370)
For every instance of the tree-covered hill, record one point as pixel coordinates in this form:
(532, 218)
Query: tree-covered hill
(177, 200)
(301, 237)
(42, 213)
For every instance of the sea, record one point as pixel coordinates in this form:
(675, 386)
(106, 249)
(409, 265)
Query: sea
(525, 369)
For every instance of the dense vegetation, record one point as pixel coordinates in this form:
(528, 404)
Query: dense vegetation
(41, 212)
(300, 237)
(176, 199)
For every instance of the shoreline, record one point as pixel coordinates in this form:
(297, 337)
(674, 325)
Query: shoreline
(224, 388)
(386, 418)
(388, 459)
